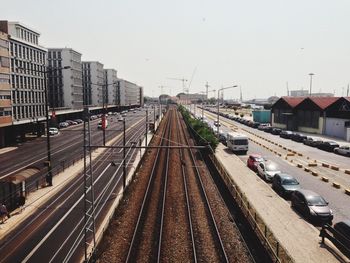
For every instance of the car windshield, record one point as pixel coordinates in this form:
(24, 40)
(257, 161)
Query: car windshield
(271, 167)
(290, 181)
(258, 159)
(240, 142)
(316, 200)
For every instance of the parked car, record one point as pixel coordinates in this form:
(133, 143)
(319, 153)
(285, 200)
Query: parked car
(298, 137)
(216, 123)
(285, 184)
(312, 206)
(93, 117)
(78, 121)
(53, 131)
(263, 126)
(342, 234)
(63, 124)
(328, 146)
(342, 150)
(268, 129)
(253, 161)
(223, 137)
(286, 134)
(276, 131)
(70, 122)
(312, 141)
(267, 170)
(255, 125)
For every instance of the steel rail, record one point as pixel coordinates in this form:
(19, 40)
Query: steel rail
(212, 218)
(129, 257)
(183, 172)
(166, 172)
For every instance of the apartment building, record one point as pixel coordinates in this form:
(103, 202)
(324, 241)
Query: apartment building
(94, 80)
(65, 81)
(130, 93)
(27, 69)
(112, 92)
(5, 88)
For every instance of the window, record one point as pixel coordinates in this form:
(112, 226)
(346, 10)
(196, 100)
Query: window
(4, 62)
(4, 78)
(4, 43)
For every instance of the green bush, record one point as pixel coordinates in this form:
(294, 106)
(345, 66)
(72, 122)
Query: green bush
(242, 115)
(236, 113)
(205, 135)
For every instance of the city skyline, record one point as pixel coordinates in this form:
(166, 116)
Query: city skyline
(258, 46)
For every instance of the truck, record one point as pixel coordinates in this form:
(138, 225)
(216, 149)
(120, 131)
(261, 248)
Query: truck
(236, 142)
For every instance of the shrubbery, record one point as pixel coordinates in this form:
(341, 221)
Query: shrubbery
(205, 135)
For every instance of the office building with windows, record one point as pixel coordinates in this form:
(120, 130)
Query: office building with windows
(112, 92)
(27, 67)
(130, 93)
(94, 81)
(65, 85)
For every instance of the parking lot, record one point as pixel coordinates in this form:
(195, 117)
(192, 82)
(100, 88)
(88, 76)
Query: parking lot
(294, 158)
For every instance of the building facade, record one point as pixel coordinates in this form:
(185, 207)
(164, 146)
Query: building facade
(130, 93)
(320, 115)
(5, 88)
(28, 65)
(65, 86)
(94, 81)
(112, 91)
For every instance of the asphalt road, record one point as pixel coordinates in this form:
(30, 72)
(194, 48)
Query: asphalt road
(338, 200)
(64, 147)
(54, 232)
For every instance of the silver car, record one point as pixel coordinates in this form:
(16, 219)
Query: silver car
(342, 150)
(267, 170)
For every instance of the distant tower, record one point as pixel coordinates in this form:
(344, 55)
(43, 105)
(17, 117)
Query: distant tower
(240, 92)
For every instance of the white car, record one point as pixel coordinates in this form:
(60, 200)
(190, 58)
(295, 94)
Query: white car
(343, 150)
(267, 170)
(53, 131)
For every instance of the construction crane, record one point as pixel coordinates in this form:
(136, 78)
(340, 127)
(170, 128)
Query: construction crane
(183, 80)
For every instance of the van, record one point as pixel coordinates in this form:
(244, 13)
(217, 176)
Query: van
(237, 142)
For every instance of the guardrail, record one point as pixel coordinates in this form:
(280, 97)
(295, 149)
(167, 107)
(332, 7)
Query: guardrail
(338, 239)
(266, 236)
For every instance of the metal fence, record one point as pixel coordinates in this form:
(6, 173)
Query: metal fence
(266, 236)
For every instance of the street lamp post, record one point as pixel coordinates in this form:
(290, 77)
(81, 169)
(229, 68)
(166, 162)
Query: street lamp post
(311, 74)
(48, 162)
(49, 167)
(217, 125)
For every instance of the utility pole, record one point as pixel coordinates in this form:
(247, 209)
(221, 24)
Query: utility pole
(287, 89)
(146, 126)
(311, 74)
(124, 156)
(347, 92)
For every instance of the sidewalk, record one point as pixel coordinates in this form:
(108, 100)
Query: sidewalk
(300, 239)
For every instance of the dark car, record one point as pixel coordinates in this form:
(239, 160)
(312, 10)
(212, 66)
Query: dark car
(268, 129)
(328, 146)
(298, 137)
(342, 234)
(286, 134)
(285, 184)
(312, 141)
(255, 125)
(312, 206)
(253, 161)
(276, 131)
(78, 121)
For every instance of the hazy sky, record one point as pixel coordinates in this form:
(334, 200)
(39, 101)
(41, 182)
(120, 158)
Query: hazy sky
(259, 45)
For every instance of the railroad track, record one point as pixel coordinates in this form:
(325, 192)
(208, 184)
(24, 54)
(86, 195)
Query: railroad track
(148, 218)
(153, 233)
